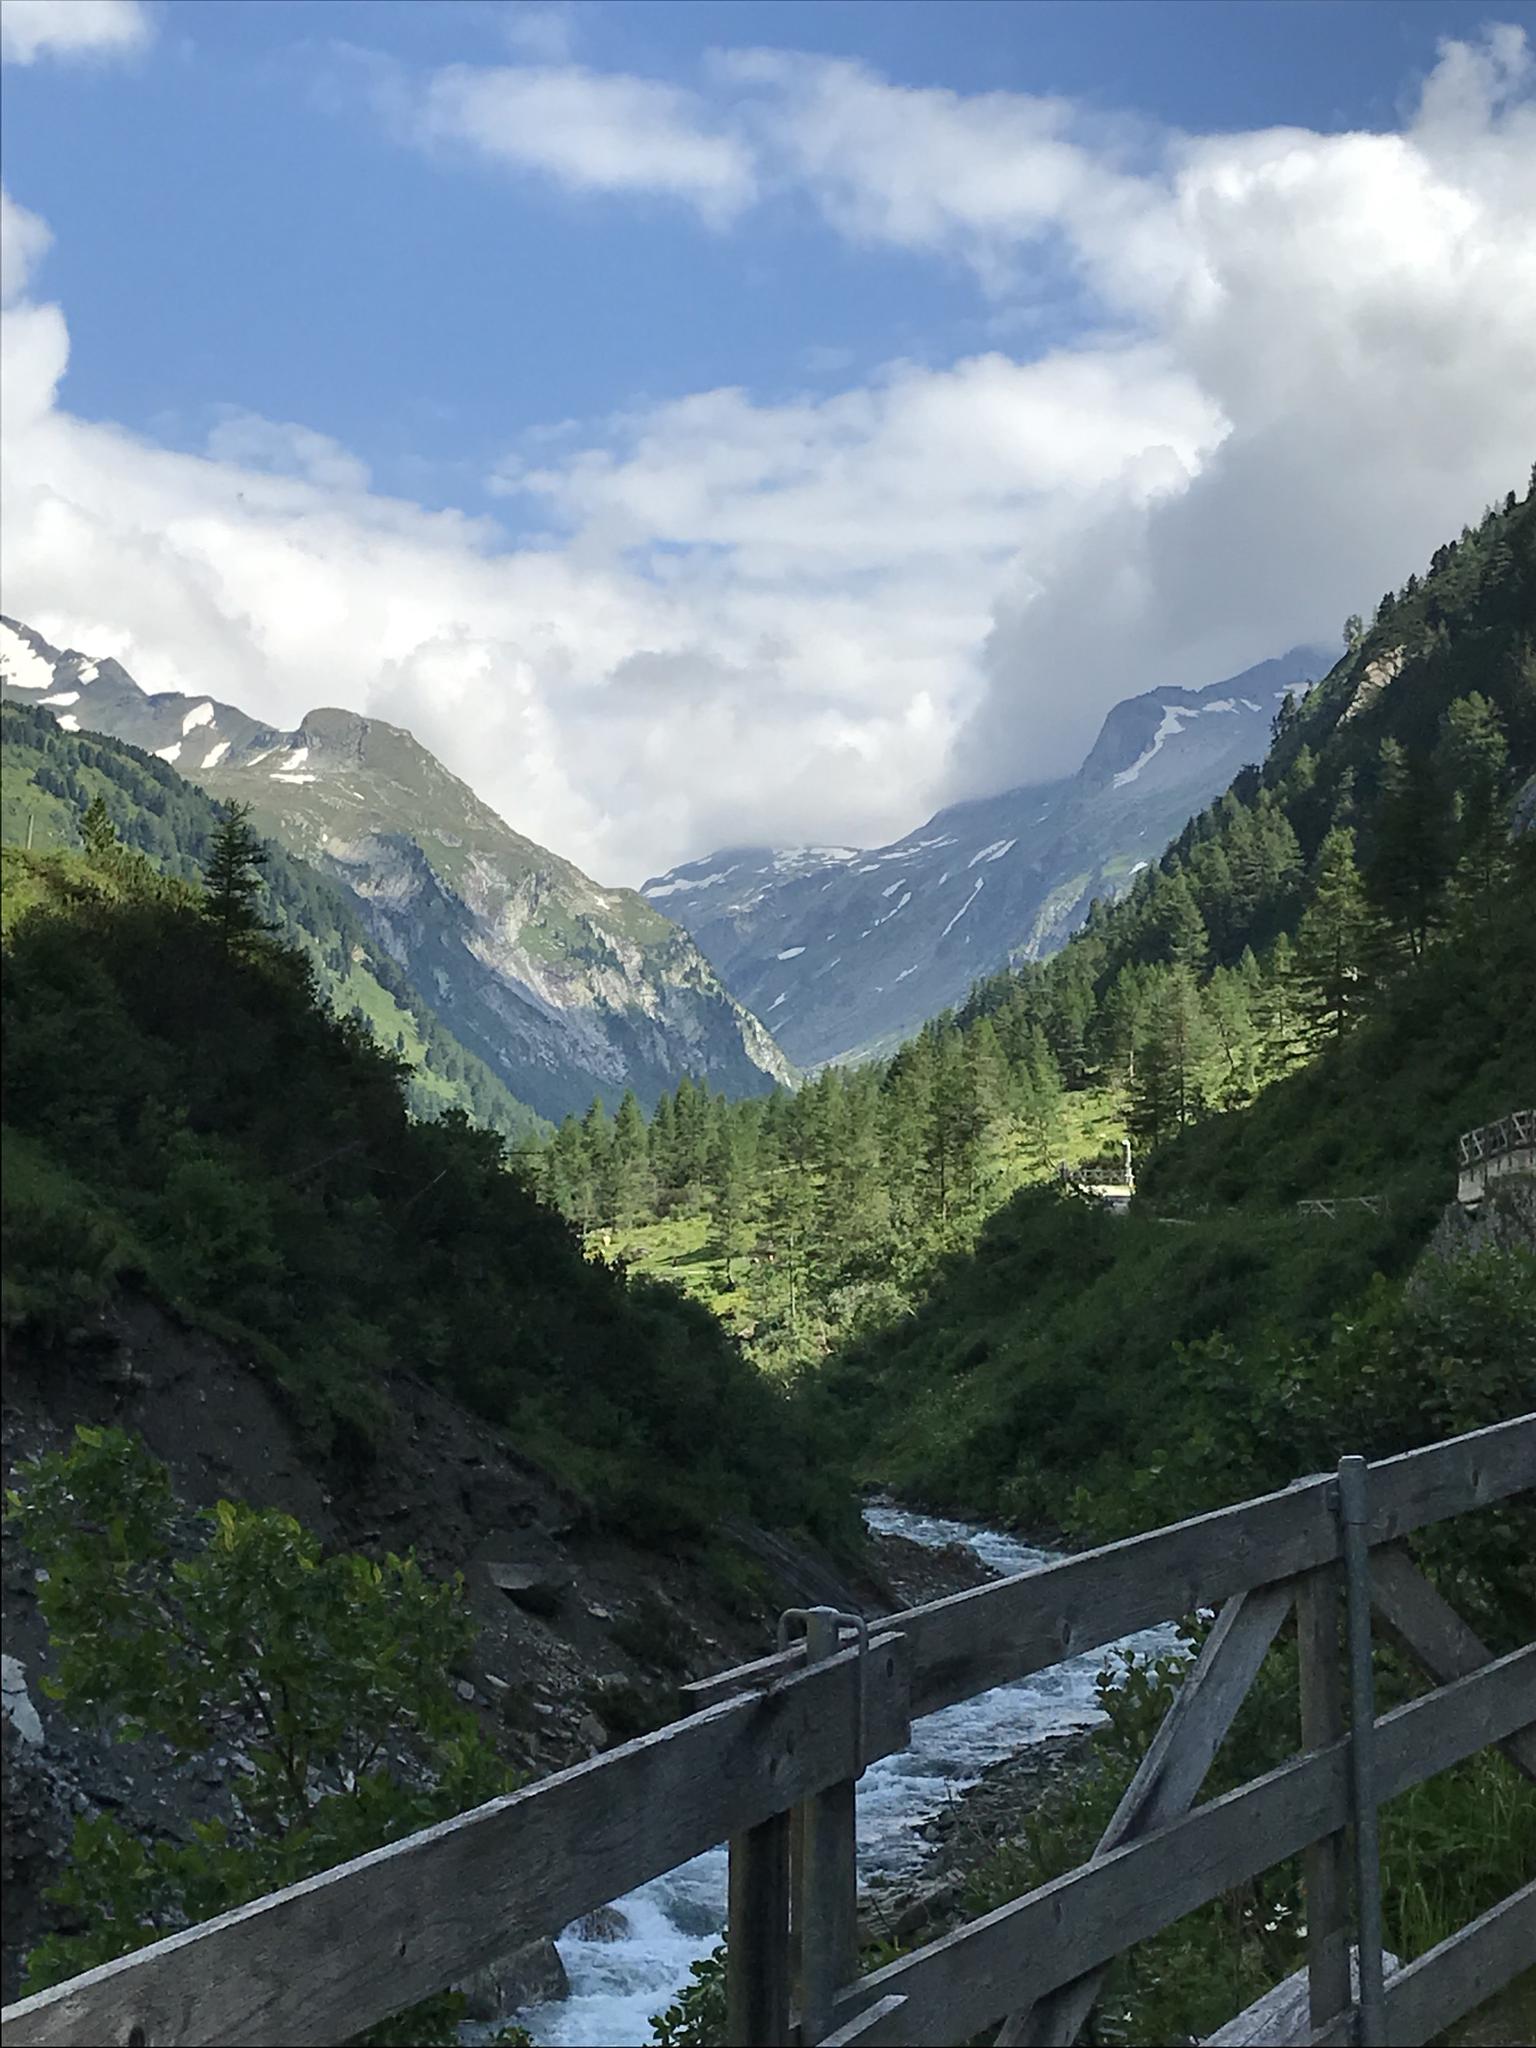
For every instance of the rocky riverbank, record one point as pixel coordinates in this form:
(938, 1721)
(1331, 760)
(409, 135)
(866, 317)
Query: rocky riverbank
(961, 1837)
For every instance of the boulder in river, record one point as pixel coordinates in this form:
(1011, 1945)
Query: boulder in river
(603, 1923)
(530, 1975)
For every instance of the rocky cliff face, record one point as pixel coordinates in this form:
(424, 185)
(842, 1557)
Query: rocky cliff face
(565, 989)
(843, 953)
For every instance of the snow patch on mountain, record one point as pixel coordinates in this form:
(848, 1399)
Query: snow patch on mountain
(200, 714)
(993, 852)
(976, 888)
(695, 882)
(20, 666)
(1174, 719)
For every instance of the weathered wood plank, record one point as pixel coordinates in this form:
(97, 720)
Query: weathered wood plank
(1007, 1630)
(1280, 2018)
(293, 1968)
(757, 1957)
(1472, 1471)
(874, 2024)
(1325, 1863)
(323, 1959)
(1016, 1954)
(1438, 1987)
(1169, 1776)
(1436, 1634)
(991, 1634)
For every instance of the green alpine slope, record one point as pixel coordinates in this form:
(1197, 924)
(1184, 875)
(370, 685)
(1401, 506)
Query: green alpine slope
(566, 990)
(48, 776)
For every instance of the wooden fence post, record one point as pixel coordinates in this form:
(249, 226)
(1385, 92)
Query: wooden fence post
(825, 1912)
(1354, 1514)
(757, 1952)
(1324, 1866)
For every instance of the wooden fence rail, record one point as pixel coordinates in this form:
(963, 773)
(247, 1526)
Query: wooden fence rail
(788, 1737)
(1513, 1133)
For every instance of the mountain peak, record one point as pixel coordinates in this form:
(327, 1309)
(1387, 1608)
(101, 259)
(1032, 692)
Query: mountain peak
(564, 989)
(843, 952)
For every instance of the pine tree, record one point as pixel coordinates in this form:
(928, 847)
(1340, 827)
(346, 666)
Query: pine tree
(232, 882)
(1406, 874)
(1181, 929)
(1333, 942)
(1279, 1012)
(1475, 755)
(1171, 1060)
(1230, 1008)
(988, 1081)
(1041, 1099)
(627, 1188)
(661, 1146)
(98, 835)
(731, 1190)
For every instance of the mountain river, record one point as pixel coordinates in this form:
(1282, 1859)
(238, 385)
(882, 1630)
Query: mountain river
(617, 1985)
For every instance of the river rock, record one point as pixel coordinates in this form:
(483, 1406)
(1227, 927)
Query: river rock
(18, 1707)
(530, 1975)
(692, 1918)
(538, 1589)
(603, 1923)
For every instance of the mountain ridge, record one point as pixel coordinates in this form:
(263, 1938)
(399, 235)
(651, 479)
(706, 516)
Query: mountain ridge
(769, 917)
(565, 989)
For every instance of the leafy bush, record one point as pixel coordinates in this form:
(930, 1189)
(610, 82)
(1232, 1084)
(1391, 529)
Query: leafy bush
(325, 1676)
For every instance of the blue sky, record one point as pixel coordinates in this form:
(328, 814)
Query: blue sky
(234, 226)
(658, 316)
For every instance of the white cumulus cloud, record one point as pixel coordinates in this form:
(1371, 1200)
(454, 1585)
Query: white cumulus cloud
(30, 29)
(24, 241)
(1309, 360)
(590, 131)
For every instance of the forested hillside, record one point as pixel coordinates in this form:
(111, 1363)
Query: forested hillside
(1323, 980)
(184, 1115)
(1328, 976)
(48, 778)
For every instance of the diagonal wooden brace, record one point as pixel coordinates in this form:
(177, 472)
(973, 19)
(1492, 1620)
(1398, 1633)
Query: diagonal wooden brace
(1437, 1635)
(1170, 1775)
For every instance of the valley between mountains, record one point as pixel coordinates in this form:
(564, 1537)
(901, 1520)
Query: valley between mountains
(390, 1423)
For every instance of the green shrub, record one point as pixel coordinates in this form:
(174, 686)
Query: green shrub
(325, 1674)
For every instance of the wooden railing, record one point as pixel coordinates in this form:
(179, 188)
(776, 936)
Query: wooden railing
(770, 1758)
(1513, 1133)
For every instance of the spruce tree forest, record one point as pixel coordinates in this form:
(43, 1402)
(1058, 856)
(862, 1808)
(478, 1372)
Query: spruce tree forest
(1329, 974)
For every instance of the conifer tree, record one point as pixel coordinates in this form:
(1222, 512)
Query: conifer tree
(1333, 941)
(98, 835)
(1172, 1058)
(1407, 869)
(1040, 1104)
(232, 881)
(1184, 940)
(1279, 1012)
(627, 1186)
(731, 1191)
(1476, 758)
